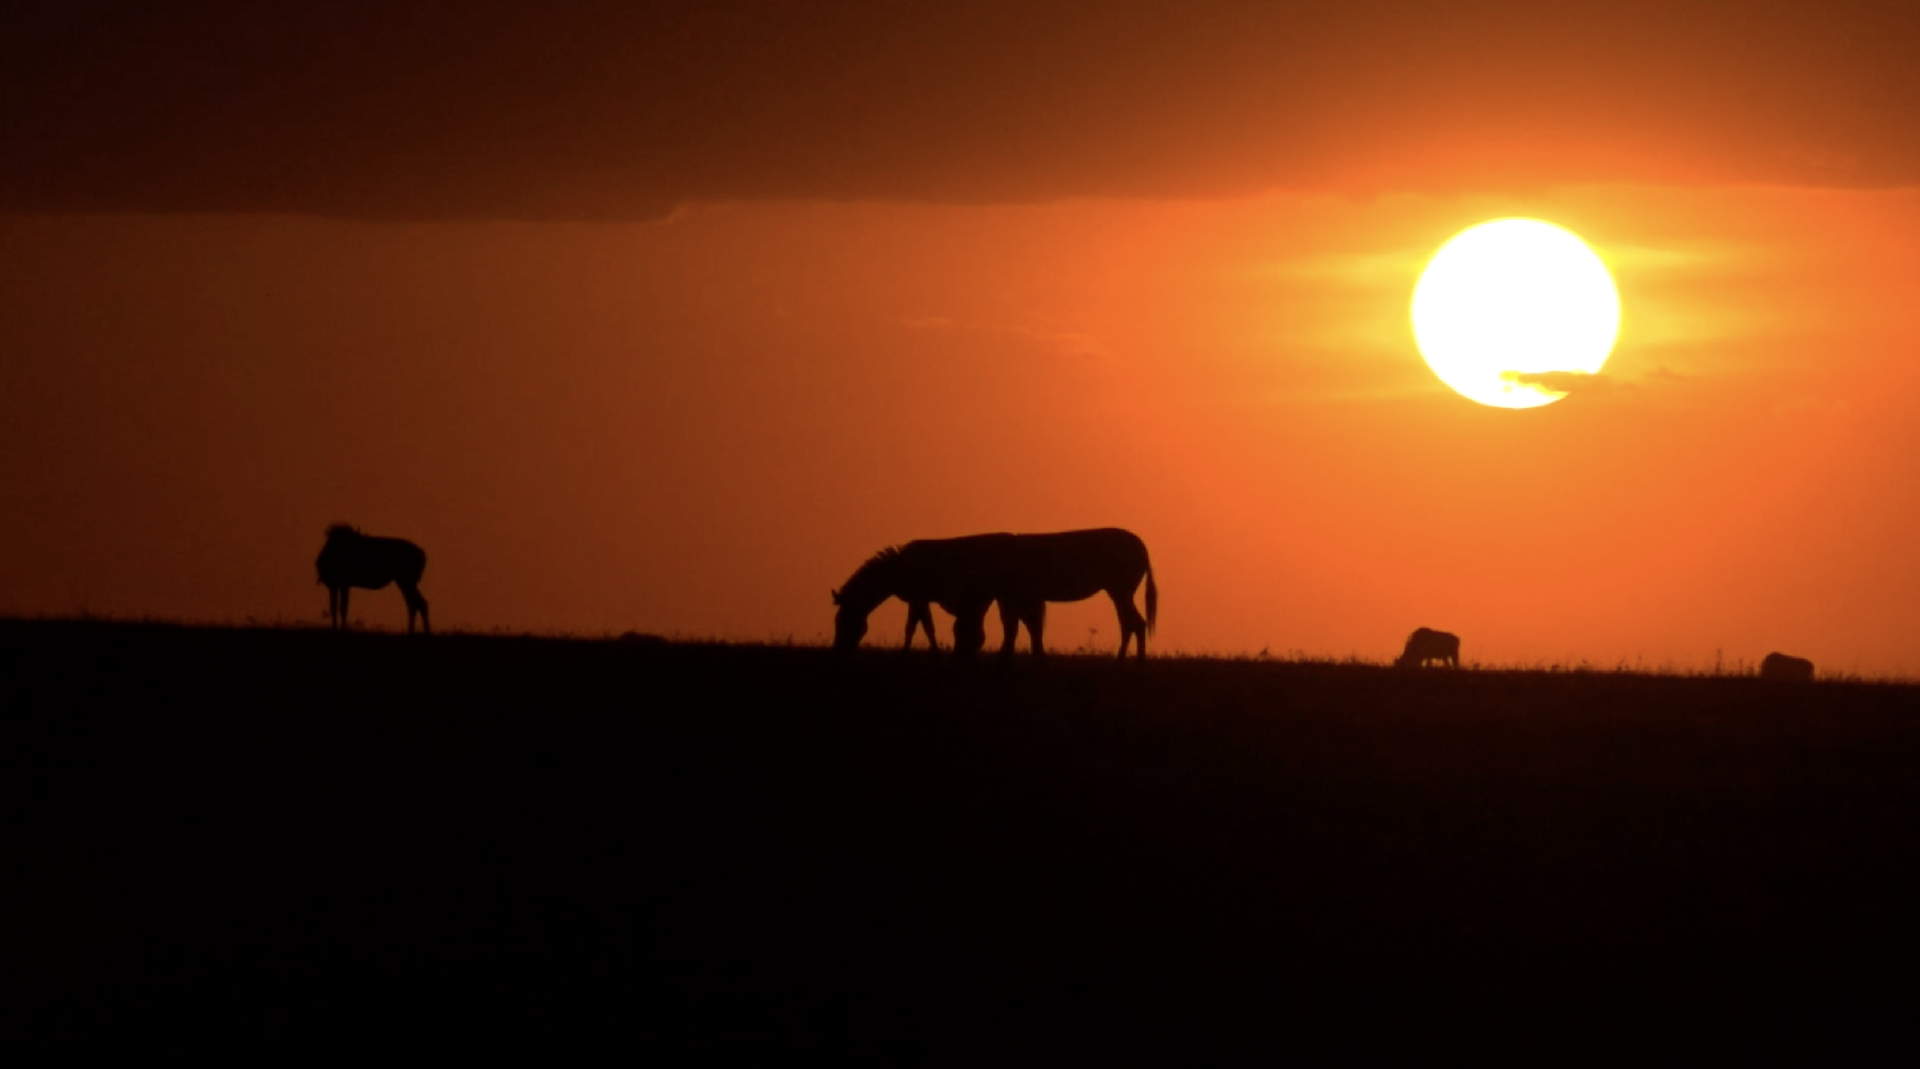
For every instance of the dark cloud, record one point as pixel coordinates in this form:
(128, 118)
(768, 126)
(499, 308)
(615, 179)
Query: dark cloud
(543, 109)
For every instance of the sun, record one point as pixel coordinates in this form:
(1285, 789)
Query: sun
(1508, 311)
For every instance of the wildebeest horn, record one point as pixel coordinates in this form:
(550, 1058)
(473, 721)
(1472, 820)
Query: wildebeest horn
(836, 597)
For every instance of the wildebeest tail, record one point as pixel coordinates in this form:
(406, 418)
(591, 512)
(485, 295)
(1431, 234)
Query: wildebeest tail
(1153, 599)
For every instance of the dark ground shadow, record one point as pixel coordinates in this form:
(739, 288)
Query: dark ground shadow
(267, 842)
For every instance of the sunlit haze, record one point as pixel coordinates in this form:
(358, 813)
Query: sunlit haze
(673, 345)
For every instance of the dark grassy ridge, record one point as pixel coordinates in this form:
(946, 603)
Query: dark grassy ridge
(273, 839)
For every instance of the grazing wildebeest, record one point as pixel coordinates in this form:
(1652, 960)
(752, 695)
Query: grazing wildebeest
(351, 559)
(1781, 666)
(1425, 646)
(1020, 572)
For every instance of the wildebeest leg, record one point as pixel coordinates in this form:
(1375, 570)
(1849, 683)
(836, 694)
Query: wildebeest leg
(1036, 616)
(1009, 625)
(344, 591)
(1132, 624)
(415, 604)
(920, 614)
(969, 630)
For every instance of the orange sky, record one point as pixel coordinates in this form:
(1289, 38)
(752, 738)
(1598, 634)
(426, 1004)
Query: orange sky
(698, 423)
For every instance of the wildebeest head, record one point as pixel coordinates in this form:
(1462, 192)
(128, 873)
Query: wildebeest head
(849, 625)
(340, 539)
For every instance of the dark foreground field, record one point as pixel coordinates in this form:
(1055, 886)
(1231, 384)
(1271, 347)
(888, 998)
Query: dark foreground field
(281, 840)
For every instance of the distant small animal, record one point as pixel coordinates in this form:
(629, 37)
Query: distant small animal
(351, 559)
(1426, 646)
(1781, 666)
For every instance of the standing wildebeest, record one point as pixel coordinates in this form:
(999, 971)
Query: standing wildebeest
(1020, 572)
(351, 559)
(1781, 666)
(1426, 645)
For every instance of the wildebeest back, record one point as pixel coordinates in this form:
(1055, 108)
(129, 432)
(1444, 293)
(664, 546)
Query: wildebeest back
(1782, 666)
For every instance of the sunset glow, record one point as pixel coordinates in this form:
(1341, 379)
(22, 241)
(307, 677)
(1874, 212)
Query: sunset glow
(631, 337)
(841, 530)
(1507, 311)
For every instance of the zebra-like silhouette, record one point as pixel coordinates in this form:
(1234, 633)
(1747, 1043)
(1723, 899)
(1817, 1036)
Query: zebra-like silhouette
(920, 614)
(1782, 666)
(1020, 572)
(966, 618)
(351, 559)
(1426, 645)
(922, 574)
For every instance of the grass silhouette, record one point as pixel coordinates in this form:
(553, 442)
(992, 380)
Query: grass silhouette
(262, 838)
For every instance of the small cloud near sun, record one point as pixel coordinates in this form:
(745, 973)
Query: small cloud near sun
(1572, 382)
(1564, 382)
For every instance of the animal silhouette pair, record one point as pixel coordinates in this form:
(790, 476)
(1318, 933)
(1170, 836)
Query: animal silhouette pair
(1019, 572)
(1426, 646)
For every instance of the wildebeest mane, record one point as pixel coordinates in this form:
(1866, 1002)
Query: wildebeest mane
(873, 570)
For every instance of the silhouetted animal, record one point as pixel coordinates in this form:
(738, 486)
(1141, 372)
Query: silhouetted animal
(1425, 646)
(920, 573)
(351, 559)
(1781, 666)
(1020, 572)
(920, 614)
